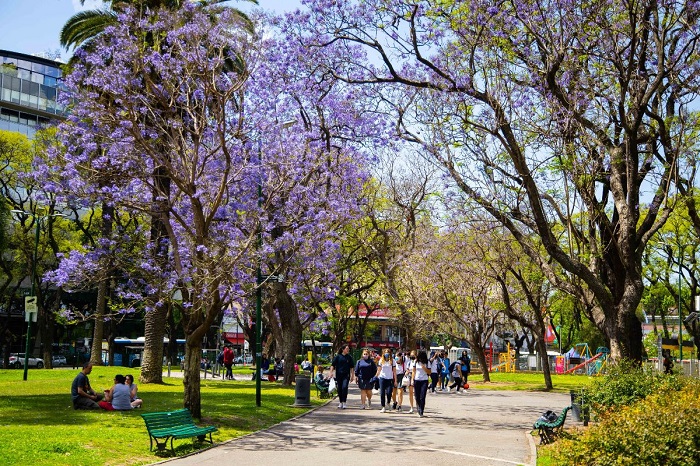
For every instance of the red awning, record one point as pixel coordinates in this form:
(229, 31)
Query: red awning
(235, 338)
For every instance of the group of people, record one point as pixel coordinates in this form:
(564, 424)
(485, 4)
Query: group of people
(121, 397)
(395, 374)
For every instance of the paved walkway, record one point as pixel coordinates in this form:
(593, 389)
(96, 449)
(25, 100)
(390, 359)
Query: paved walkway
(481, 427)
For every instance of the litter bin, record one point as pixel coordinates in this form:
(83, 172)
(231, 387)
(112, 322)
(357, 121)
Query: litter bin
(579, 412)
(302, 391)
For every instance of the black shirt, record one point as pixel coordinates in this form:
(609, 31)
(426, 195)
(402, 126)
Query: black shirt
(343, 364)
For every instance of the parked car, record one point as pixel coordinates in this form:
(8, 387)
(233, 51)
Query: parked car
(57, 360)
(17, 361)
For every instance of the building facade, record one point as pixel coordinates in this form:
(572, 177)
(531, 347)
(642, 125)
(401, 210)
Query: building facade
(29, 88)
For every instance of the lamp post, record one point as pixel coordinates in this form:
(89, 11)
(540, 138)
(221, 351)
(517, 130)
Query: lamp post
(680, 311)
(259, 279)
(37, 220)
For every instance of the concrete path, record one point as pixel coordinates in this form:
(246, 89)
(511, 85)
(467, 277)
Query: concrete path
(481, 427)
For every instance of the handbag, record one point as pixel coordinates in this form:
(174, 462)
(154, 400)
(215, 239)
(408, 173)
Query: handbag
(332, 386)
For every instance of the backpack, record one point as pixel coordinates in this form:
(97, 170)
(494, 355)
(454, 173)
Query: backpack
(548, 416)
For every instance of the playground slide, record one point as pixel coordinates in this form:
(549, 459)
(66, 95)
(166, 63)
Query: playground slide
(583, 364)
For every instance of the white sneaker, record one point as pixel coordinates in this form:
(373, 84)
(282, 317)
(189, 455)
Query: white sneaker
(369, 403)
(345, 405)
(364, 406)
(449, 389)
(410, 411)
(383, 410)
(340, 405)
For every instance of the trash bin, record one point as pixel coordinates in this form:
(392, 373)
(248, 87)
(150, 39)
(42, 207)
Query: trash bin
(302, 391)
(579, 411)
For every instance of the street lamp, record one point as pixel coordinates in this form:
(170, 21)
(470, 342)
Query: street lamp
(259, 281)
(37, 219)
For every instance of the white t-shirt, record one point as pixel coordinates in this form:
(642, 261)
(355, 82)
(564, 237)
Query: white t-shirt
(433, 365)
(400, 367)
(421, 373)
(386, 369)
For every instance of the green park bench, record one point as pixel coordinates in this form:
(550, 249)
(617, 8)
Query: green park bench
(173, 425)
(549, 431)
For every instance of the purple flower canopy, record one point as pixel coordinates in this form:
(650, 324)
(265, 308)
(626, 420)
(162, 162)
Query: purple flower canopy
(220, 115)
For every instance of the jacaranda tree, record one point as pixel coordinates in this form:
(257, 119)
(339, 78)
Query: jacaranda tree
(558, 118)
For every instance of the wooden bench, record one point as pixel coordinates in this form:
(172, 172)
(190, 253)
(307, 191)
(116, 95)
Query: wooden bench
(174, 425)
(549, 431)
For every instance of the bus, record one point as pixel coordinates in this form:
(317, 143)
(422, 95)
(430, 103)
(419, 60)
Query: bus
(128, 352)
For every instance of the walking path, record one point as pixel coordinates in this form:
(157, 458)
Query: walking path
(481, 427)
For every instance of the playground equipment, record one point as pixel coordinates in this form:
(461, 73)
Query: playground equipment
(506, 361)
(585, 363)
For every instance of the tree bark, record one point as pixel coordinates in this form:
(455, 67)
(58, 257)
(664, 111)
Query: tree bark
(191, 397)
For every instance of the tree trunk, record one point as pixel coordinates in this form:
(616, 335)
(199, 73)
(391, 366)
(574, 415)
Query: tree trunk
(99, 324)
(481, 357)
(291, 329)
(191, 398)
(542, 349)
(152, 361)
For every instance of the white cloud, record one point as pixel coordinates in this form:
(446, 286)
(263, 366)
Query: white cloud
(89, 5)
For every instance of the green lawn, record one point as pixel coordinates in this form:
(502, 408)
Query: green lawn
(40, 426)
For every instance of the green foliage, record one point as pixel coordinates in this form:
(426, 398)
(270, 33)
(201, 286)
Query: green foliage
(625, 384)
(663, 428)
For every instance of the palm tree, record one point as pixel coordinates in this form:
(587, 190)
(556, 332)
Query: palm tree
(81, 31)
(84, 27)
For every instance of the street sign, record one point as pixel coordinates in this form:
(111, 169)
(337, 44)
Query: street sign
(30, 304)
(30, 308)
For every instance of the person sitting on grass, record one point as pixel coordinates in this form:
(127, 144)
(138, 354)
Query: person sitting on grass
(133, 388)
(84, 397)
(118, 398)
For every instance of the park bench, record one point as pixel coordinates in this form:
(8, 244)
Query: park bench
(549, 431)
(173, 425)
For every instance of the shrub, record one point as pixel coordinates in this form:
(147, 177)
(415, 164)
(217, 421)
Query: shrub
(663, 428)
(626, 383)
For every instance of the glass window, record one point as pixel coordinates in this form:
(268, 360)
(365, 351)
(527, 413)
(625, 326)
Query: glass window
(42, 103)
(24, 99)
(30, 88)
(39, 68)
(33, 101)
(24, 64)
(50, 93)
(14, 97)
(49, 81)
(9, 61)
(37, 77)
(54, 72)
(6, 94)
(24, 74)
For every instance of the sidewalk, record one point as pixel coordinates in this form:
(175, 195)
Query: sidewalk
(481, 427)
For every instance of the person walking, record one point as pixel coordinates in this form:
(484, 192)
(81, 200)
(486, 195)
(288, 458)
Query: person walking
(341, 370)
(434, 363)
(365, 372)
(228, 362)
(456, 371)
(465, 363)
(445, 374)
(421, 375)
(397, 396)
(386, 372)
(408, 378)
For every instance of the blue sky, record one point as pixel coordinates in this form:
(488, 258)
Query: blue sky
(33, 26)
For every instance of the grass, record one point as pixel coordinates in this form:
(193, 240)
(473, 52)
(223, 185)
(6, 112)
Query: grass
(39, 426)
(529, 381)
